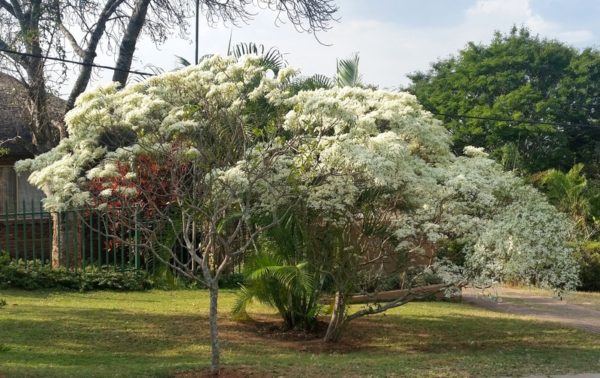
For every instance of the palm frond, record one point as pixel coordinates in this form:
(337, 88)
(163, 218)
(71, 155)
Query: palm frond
(271, 59)
(273, 279)
(243, 299)
(347, 72)
(182, 62)
(311, 83)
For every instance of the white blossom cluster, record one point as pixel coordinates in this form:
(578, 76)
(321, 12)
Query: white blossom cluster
(360, 141)
(146, 116)
(337, 151)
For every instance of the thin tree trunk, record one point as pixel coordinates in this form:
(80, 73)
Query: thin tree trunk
(338, 318)
(214, 331)
(128, 43)
(58, 245)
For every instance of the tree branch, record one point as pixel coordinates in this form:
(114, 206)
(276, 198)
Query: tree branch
(20, 59)
(76, 48)
(408, 297)
(9, 8)
(18, 12)
(90, 51)
(129, 41)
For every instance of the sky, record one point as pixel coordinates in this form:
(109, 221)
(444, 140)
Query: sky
(393, 37)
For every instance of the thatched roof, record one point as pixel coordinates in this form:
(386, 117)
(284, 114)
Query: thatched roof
(15, 117)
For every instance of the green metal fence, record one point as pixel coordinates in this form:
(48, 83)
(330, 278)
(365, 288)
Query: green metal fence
(82, 239)
(26, 232)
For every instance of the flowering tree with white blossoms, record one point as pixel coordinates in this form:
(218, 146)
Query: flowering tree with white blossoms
(174, 149)
(380, 182)
(371, 172)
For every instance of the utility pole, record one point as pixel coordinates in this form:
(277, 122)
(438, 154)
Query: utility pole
(197, 26)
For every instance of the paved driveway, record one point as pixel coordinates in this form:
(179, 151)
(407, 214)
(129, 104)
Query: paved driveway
(539, 305)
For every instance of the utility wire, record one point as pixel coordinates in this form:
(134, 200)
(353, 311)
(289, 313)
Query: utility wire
(518, 121)
(455, 116)
(74, 62)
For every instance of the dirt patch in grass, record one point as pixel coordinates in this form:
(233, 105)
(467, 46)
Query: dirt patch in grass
(240, 372)
(269, 329)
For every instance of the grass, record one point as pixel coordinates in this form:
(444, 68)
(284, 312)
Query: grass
(160, 333)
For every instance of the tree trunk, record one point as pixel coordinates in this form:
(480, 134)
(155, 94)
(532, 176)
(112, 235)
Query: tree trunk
(127, 49)
(214, 331)
(58, 245)
(338, 318)
(90, 51)
(43, 137)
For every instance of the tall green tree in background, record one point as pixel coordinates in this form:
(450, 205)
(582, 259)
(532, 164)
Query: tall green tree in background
(573, 194)
(519, 77)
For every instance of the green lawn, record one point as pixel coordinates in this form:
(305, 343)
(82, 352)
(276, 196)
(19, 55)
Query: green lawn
(160, 333)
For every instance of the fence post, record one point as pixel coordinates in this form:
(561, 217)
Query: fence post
(33, 231)
(42, 226)
(24, 230)
(5, 247)
(136, 239)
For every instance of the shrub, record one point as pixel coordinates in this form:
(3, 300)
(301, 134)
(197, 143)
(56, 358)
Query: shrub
(589, 258)
(231, 281)
(34, 275)
(2, 303)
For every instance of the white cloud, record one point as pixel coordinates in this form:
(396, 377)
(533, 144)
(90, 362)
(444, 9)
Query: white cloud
(505, 13)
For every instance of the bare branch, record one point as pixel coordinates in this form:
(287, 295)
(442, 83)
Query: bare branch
(72, 41)
(10, 140)
(20, 59)
(17, 11)
(9, 8)
(95, 36)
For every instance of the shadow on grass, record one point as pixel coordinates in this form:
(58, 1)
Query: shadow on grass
(110, 342)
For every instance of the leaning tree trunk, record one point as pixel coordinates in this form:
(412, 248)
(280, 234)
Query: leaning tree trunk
(338, 318)
(127, 49)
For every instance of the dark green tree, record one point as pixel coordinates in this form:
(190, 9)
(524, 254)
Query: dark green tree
(519, 77)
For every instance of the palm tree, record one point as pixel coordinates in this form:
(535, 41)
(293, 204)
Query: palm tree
(568, 192)
(278, 276)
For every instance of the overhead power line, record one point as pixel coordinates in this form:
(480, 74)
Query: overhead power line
(74, 62)
(519, 121)
(455, 116)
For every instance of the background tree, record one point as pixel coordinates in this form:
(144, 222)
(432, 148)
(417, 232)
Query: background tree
(574, 195)
(519, 76)
(271, 58)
